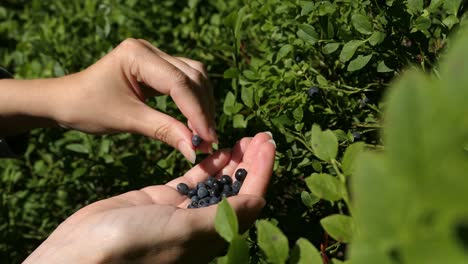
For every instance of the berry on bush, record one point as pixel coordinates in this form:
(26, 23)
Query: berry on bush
(196, 140)
(312, 91)
(182, 188)
(241, 174)
(356, 135)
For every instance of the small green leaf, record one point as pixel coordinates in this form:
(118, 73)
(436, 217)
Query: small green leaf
(231, 73)
(376, 38)
(226, 221)
(349, 49)
(450, 21)
(309, 199)
(325, 8)
(340, 227)
(324, 143)
(305, 253)
(325, 186)
(284, 51)
(79, 148)
(362, 24)
(239, 121)
(359, 62)
(350, 156)
(247, 94)
(298, 114)
(272, 242)
(238, 251)
(330, 48)
(452, 6)
(230, 106)
(415, 6)
(381, 67)
(307, 33)
(422, 23)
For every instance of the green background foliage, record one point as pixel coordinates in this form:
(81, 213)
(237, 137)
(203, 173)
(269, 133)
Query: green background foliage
(262, 56)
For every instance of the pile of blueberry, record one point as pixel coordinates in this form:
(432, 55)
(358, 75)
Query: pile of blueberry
(212, 190)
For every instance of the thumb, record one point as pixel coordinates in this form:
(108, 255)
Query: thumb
(154, 124)
(246, 207)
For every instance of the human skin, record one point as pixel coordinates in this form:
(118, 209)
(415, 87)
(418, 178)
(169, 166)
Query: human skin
(153, 225)
(109, 97)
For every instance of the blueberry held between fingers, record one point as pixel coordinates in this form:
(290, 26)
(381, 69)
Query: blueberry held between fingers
(196, 140)
(182, 188)
(241, 174)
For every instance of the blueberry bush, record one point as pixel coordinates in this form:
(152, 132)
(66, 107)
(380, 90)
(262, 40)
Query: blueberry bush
(314, 74)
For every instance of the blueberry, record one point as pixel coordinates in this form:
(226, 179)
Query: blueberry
(241, 174)
(217, 185)
(210, 181)
(227, 188)
(196, 140)
(214, 193)
(225, 179)
(363, 102)
(193, 204)
(192, 193)
(236, 186)
(202, 192)
(182, 188)
(201, 185)
(214, 200)
(356, 135)
(226, 194)
(312, 91)
(298, 58)
(195, 198)
(204, 202)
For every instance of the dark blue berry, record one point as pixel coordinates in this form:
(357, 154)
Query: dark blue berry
(241, 174)
(313, 91)
(196, 140)
(226, 194)
(201, 185)
(218, 186)
(227, 188)
(204, 202)
(202, 192)
(236, 186)
(298, 58)
(192, 193)
(209, 182)
(225, 179)
(182, 188)
(193, 204)
(214, 200)
(195, 198)
(356, 135)
(214, 193)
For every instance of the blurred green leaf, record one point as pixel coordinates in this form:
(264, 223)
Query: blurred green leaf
(325, 186)
(226, 221)
(272, 242)
(359, 62)
(340, 227)
(349, 49)
(362, 24)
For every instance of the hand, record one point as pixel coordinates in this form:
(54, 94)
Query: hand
(110, 95)
(152, 225)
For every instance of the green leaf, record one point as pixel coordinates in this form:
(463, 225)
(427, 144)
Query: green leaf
(230, 106)
(359, 62)
(452, 6)
(308, 34)
(415, 6)
(239, 121)
(381, 67)
(298, 114)
(326, 8)
(421, 24)
(450, 21)
(362, 24)
(231, 73)
(330, 48)
(376, 38)
(305, 253)
(350, 156)
(238, 251)
(340, 227)
(308, 199)
(247, 94)
(349, 49)
(284, 51)
(325, 186)
(79, 148)
(226, 221)
(272, 242)
(324, 143)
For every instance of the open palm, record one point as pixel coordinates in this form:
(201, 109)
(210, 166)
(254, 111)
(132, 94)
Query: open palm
(153, 225)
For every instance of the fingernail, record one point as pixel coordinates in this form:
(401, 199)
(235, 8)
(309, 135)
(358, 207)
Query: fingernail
(269, 133)
(272, 141)
(187, 151)
(214, 135)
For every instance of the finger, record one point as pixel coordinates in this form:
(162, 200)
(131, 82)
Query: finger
(246, 207)
(202, 88)
(209, 86)
(236, 157)
(260, 169)
(157, 125)
(143, 64)
(205, 147)
(208, 167)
